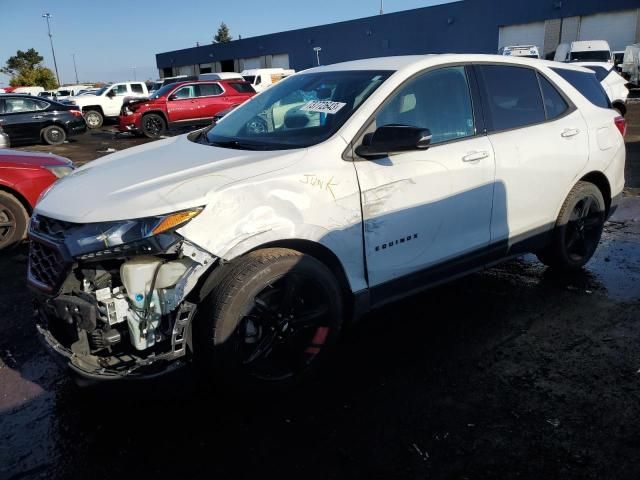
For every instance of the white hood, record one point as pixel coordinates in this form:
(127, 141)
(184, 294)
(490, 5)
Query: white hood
(154, 179)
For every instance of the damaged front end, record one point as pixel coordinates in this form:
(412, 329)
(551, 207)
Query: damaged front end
(112, 297)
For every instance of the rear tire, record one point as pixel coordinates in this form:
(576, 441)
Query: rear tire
(153, 125)
(578, 229)
(270, 320)
(93, 118)
(54, 135)
(13, 221)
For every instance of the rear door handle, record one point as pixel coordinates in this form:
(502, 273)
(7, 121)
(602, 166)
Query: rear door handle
(475, 156)
(38, 116)
(569, 132)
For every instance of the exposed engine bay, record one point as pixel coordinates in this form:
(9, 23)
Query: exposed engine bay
(117, 317)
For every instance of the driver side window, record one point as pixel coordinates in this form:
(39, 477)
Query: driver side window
(439, 100)
(188, 91)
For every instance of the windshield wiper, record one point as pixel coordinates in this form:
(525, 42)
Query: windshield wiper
(235, 144)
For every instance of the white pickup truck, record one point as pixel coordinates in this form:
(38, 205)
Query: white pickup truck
(107, 101)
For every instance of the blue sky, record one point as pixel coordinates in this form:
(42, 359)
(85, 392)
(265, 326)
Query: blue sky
(110, 38)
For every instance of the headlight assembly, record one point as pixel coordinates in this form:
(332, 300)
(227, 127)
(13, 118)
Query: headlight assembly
(92, 241)
(60, 170)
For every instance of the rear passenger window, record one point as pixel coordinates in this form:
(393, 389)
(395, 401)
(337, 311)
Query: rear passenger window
(136, 88)
(242, 87)
(586, 84)
(511, 96)
(209, 89)
(554, 104)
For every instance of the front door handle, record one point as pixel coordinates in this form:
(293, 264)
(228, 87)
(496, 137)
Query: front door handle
(475, 156)
(38, 116)
(569, 132)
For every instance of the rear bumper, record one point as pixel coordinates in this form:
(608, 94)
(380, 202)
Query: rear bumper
(76, 127)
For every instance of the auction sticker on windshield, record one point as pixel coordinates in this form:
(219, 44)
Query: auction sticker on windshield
(323, 106)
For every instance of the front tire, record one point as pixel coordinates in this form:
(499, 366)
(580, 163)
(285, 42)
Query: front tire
(270, 320)
(578, 229)
(54, 135)
(153, 125)
(13, 221)
(93, 118)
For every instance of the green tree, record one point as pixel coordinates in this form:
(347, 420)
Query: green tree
(223, 35)
(25, 69)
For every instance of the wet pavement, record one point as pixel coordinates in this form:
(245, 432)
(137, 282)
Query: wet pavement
(515, 372)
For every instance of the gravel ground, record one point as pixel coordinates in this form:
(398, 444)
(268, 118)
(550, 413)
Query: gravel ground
(515, 372)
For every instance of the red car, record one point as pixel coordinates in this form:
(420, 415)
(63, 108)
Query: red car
(23, 177)
(183, 103)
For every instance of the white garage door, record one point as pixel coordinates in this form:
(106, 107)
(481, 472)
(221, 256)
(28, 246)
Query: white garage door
(280, 61)
(524, 34)
(249, 63)
(619, 29)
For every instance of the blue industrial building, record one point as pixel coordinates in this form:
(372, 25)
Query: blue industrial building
(480, 26)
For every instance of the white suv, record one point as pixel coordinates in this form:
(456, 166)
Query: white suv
(249, 245)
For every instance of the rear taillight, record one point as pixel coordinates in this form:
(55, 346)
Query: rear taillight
(621, 123)
(75, 113)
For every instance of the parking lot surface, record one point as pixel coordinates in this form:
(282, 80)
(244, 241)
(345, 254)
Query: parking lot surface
(514, 372)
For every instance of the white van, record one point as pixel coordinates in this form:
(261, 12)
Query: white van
(220, 76)
(529, 51)
(590, 51)
(29, 90)
(263, 78)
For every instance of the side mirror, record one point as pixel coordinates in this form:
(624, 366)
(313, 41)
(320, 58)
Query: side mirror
(111, 93)
(172, 97)
(392, 139)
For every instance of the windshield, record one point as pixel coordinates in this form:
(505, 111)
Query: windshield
(298, 112)
(250, 78)
(591, 56)
(101, 91)
(163, 91)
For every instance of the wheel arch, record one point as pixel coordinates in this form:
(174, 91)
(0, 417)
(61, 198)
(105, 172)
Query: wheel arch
(157, 112)
(318, 251)
(21, 198)
(600, 180)
(97, 108)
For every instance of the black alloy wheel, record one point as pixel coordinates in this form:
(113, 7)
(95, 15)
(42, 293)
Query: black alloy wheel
(584, 229)
(578, 229)
(286, 328)
(153, 125)
(270, 321)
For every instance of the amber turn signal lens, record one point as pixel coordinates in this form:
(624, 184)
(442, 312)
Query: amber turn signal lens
(175, 219)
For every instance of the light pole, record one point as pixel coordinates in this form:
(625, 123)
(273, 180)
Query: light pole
(381, 7)
(134, 73)
(317, 50)
(47, 16)
(75, 69)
